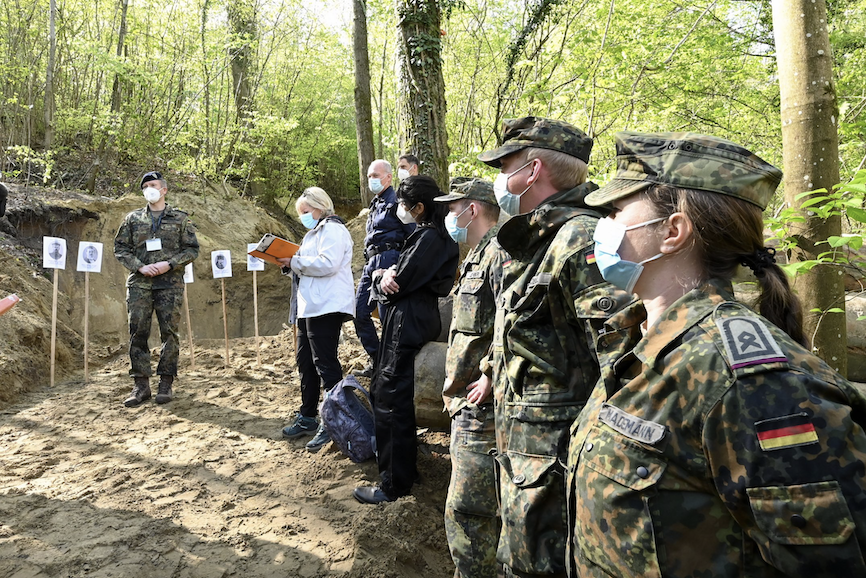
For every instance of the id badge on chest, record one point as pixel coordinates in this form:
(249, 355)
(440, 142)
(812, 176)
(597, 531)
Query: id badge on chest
(154, 244)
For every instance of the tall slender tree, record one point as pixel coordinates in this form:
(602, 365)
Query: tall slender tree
(363, 108)
(810, 143)
(49, 74)
(421, 91)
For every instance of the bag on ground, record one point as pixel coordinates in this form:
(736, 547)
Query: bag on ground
(348, 420)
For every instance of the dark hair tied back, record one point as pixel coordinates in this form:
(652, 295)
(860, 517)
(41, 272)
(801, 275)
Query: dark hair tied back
(760, 259)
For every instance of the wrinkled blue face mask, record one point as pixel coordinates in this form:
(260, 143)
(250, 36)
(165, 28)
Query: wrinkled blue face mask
(308, 221)
(508, 201)
(459, 234)
(608, 237)
(375, 185)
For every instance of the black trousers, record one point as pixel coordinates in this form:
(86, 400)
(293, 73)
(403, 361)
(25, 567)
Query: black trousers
(317, 358)
(409, 324)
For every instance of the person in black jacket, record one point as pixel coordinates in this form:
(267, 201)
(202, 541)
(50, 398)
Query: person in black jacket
(411, 288)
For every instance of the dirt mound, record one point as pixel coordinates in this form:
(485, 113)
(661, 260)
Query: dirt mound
(203, 486)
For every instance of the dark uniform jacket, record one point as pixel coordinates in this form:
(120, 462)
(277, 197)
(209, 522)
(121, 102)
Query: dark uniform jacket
(179, 246)
(425, 271)
(385, 232)
(716, 446)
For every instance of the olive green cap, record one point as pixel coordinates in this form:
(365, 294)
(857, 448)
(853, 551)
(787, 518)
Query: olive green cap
(542, 133)
(469, 188)
(690, 161)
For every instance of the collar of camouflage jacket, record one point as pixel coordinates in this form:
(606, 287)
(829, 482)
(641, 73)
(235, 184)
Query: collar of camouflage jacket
(686, 312)
(522, 234)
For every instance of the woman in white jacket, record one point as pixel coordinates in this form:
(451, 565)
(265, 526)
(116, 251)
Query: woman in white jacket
(324, 293)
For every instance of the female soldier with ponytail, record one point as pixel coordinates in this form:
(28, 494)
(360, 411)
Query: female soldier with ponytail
(715, 444)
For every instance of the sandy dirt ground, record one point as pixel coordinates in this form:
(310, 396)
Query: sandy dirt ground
(202, 487)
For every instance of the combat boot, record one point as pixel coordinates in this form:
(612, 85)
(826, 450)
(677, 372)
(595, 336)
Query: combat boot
(140, 392)
(164, 394)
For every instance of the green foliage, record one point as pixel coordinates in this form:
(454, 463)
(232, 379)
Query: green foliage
(846, 200)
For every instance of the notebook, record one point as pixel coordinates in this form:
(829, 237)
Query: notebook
(271, 248)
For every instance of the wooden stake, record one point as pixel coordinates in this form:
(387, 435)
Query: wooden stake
(188, 328)
(53, 327)
(86, 320)
(256, 316)
(225, 320)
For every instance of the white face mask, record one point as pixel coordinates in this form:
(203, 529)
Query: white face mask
(402, 174)
(151, 194)
(405, 216)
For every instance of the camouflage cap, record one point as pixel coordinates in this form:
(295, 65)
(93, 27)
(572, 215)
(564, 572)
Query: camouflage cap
(688, 160)
(469, 188)
(543, 133)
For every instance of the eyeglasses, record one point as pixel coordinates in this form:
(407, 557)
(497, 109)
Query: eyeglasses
(407, 207)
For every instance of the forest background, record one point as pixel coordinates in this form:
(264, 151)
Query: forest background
(262, 93)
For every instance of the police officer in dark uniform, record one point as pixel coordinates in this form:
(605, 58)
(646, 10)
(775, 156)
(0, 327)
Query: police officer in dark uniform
(382, 244)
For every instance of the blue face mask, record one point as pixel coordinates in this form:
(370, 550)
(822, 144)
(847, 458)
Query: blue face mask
(457, 233)
(608, 238)
(375, 185)
(308, 221)
(508, 202)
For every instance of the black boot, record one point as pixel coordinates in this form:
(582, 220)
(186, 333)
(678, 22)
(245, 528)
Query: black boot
(140, 392)
(164, 394)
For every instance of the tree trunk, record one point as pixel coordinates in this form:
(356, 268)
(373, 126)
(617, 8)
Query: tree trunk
(363, 109)
(49, 74)
(242, 22)
(810, 144)
(421, 88)
(116, 90)
(244, 37)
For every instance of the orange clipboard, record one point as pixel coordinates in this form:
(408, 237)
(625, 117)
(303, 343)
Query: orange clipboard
(271, 248)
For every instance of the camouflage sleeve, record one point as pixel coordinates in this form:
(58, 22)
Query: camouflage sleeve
(787, 459)
(124, 247)
(188, 247)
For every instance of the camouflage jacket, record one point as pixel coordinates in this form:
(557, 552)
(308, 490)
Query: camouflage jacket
(716, 446)
(474, 309)
(544, 366)
(179, 246)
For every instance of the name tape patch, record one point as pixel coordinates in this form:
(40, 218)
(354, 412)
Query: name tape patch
(787, 431)
(748, 342)
(648, 432)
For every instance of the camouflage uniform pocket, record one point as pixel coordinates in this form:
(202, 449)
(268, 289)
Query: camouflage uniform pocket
(470, 307)
(802, 515)
(532, 499)
(616, 481)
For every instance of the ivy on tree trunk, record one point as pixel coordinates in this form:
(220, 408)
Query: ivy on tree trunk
(421, 90)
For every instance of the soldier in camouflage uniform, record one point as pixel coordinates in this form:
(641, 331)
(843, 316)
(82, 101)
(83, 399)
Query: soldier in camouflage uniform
(155, 243)
(471, 509)
(714, 444)
(543, 364)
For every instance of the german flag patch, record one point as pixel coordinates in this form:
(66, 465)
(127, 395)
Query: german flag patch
(590, 258)
(785, 432)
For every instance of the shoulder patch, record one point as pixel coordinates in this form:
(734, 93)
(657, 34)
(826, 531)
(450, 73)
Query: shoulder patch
(784, 432)
(748, 342)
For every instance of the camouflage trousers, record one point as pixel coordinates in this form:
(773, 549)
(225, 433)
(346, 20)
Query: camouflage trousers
(471, 509)
(141, 302)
